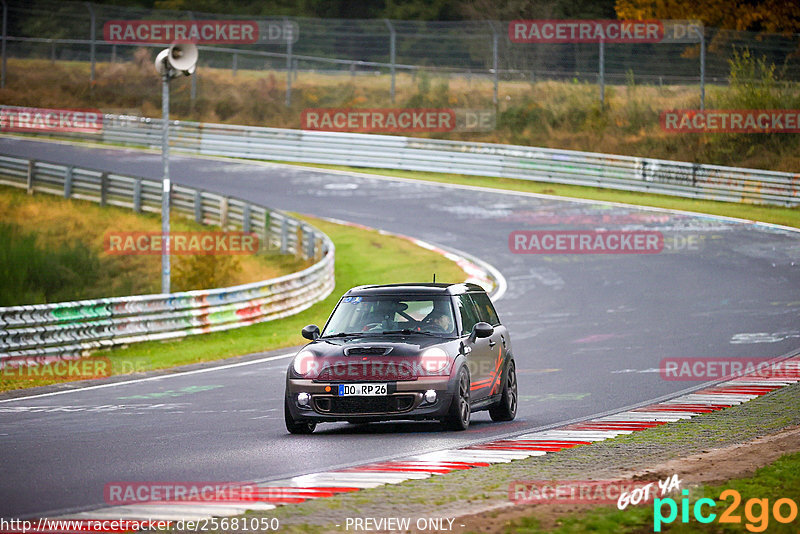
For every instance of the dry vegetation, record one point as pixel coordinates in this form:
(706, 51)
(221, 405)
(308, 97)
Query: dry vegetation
(548, 113)
(53, 250)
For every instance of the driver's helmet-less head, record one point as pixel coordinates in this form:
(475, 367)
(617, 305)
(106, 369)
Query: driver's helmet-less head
(440, 315)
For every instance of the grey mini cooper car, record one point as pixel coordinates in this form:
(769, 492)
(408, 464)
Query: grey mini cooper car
(404, 351)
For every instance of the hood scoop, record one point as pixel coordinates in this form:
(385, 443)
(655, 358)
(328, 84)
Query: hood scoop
(367, 351)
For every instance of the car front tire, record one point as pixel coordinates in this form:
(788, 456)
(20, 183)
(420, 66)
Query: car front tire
(506, 408)
(459, 414)
(294, 426)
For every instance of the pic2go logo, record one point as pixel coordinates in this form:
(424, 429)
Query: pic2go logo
(756, 511)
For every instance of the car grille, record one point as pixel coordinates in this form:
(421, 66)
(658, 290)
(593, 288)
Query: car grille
(364, 405)
(358, 372)
(367, 351)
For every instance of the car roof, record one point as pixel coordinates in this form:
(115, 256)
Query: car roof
(415, 289)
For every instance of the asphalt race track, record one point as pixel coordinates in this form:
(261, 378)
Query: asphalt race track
(588, 330)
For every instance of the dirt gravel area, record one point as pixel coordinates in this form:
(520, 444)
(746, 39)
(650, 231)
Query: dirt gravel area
(713, 447)
(714, 466)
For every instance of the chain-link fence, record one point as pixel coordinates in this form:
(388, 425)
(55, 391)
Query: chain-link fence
(73, 31)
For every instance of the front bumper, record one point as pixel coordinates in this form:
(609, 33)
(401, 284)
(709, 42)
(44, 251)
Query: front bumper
(405, 401)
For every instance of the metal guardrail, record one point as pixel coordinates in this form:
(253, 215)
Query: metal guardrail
(693, 180)
(42, 333)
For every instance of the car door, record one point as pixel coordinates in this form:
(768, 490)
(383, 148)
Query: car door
(498, 342)
(480, 357)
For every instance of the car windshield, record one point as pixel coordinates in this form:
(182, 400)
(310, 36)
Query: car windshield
(392, 314)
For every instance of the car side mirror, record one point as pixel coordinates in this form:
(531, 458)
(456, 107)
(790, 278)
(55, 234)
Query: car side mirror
(481, 330)
(311, 332)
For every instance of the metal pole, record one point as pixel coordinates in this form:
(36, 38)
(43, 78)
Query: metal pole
(165, 191)
(92, 37)
(602, 69)
(193, 90)
(703, 69)
(289, 65)
(392, 52)
(234, 63)
(5, 33)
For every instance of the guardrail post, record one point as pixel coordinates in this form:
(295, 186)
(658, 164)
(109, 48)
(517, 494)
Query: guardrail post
(68, 182)
(392, 51)
(246, 218)
(311, 243)
(234, 63)
(265, 232)
(113, 53)
(103, 188)
(137, 196)
(223, 212)
(92, 37)
(29, 186)
(284, 235)
(198, 207)
(5, 35)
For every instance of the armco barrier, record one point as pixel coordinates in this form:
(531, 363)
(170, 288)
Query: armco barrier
(710, 182)
(42, 333)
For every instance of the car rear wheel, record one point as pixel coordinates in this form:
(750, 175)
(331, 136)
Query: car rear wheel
(459, 414)
(506, 409)
(294, 426)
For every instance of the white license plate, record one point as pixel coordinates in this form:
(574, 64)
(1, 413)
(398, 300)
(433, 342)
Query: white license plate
(347, 390)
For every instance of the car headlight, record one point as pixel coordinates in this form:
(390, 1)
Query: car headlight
(434, 360)
(304, 363)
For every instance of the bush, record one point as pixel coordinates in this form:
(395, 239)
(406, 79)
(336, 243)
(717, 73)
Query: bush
(30, 274)
(754, 84)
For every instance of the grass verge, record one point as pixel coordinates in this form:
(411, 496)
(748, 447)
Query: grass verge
(463, 492)
(362, 257)
(779, 480)
(54, 250)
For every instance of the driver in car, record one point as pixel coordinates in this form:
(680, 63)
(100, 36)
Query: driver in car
(439, 318)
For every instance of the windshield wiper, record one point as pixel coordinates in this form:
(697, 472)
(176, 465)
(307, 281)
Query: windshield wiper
(408, 332)
(342, 334)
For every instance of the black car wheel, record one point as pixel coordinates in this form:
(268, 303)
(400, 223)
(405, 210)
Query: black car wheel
(506, 409)
(459, 413)
(296, 427)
